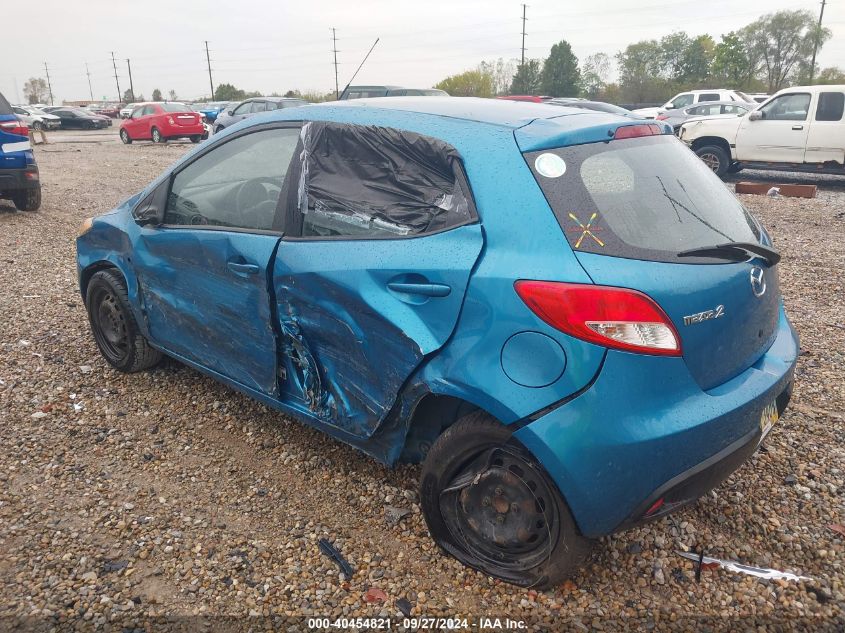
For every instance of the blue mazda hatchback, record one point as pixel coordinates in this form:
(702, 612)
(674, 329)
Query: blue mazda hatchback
(563, 314)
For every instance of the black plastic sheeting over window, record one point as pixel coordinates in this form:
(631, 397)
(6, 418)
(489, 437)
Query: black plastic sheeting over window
(369, 181)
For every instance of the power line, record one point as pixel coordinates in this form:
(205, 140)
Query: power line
(114, 65)
(49, 85)
(334, 50)
(816, 43)
(208, 61)
(131, 87)
(90, 89)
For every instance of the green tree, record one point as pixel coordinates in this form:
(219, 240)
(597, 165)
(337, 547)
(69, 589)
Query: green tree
(672, 49)
(832, 75)
(36, 90)
(128, 97)
(502, 72)
(696, 60)
(734, 63)
(157, 94)
(227, 92)
(172, 95)
(596, 70)
(784, 43)
(527, 80)
(560, 76)
(640, 73)
(470, 83)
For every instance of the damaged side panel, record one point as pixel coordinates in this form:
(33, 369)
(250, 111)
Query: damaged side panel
(198, 307)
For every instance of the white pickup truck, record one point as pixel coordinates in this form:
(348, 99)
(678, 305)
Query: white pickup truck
(797, 129)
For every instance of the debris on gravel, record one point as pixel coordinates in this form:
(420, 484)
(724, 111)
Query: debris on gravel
(166, 494)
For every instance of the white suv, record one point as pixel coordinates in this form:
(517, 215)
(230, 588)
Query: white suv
(691, 97)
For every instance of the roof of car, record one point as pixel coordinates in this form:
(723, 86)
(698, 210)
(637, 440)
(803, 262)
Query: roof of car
(501, 112)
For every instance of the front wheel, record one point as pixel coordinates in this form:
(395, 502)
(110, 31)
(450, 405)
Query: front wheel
(113, 324)
(37, 126)
(156, 135)
(715, 158)
(491, 505)
(27, 199)
(124, 136)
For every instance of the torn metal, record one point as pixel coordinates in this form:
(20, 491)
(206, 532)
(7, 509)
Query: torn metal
(734, 566)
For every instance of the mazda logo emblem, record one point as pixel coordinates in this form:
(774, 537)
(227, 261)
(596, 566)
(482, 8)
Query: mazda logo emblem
(758, 281)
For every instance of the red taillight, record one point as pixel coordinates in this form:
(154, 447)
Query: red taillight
(618, 318)
(661, 117)
(15, 127)
(634, 131)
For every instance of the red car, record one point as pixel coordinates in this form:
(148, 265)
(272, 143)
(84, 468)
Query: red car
(161, 122)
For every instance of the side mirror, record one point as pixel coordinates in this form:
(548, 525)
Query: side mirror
(230, 111)
(669, 106)
(755, 115)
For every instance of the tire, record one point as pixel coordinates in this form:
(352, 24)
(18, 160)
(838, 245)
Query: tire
(217, 129)
(27, 199)
(156, 135)
(735, 168)
(498, 488)
(124, 136)
(113, 324)
(196, 138)
(37, 126)
(715, 158)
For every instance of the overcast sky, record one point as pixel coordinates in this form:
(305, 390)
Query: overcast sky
(277, 45)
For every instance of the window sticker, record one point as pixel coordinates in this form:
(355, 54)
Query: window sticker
(550, 165)
(586, 229)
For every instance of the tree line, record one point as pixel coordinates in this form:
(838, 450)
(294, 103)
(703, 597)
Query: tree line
(771, 53)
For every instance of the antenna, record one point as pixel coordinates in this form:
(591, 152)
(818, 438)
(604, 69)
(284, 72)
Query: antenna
(362, 63)
(524, 6)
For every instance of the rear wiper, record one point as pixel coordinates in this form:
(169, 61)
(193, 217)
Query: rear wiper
(735, 252)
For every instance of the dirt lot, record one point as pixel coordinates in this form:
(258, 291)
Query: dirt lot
(167, 494)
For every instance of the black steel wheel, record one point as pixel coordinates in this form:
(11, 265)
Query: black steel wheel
(113, 324)
(491, 505)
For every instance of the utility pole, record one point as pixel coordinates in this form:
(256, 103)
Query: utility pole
(334, 50)
(90, 90)
(114, 64)
(208, 60)
(816, 44)
(49, 85)
(131, 87)
(522, 63)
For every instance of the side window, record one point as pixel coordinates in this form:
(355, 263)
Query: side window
(831, 106)
(788, 107)
(271, 105)
(137, 113)
(682, 100)
(19, 111)
(244, 108)
(258, 106)
(366, 181)
(236, 184)
(709, 96)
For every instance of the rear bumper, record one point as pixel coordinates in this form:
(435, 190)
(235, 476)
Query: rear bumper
(16, 179)
(645, 431)
(172, 131)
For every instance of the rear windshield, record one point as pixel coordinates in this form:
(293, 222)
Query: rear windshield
(643, 198)
(175, 107)
(5, 108)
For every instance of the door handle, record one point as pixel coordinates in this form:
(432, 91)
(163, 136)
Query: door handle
(797, 127)
(243, 269)
(424, 289)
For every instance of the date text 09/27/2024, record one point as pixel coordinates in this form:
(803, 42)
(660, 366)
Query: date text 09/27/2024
(417, 623)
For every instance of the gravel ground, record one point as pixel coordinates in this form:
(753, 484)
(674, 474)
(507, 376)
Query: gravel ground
(161, 494)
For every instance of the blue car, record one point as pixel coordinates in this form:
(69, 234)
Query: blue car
(19, 178)
(563, 314)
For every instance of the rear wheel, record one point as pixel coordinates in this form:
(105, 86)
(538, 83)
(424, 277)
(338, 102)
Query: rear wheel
(27, 199)
(196, 138)
(113, 324)
(715, 158)
(491, 505)
(124, 136)
(156, 135)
